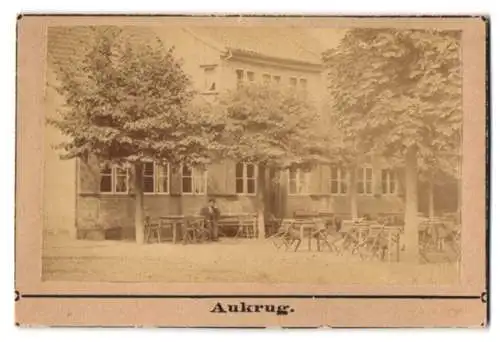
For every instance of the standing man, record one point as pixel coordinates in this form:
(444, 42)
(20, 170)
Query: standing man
(211, 214)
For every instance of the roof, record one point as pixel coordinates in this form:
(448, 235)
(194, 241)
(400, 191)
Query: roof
(68, 44)
(287, 43)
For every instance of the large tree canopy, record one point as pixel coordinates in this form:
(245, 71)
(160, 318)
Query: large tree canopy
(271, 126)
(128, 102)
(398, 93)
(392, 89)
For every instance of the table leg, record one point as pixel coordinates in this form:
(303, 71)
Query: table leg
(309, 242)
(389, 246)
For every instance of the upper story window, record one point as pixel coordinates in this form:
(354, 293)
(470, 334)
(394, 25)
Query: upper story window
(240, 76)
(298, 181)
(246, 178)
(194, 181)
(210, 79)
(365, 181)
(277, 79)
(244, 76)
(156, 178)
(250, 76)
(303, 83)
(114, 180)
(266, 79)
(388, 181)
(338, 181)
(293, 81)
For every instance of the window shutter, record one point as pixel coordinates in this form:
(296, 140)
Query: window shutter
(216, 178)
(89, 176)
(230, 177)
(175, 180)
(377, 181)
(316, 180)
(400, 181)
(325, 179)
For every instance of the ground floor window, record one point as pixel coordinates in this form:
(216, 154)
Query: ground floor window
(388, 181)
(156, 178)
(338, 181)
(298, 181)
(114, 179)
(365, 180)
(194, 180)
(246, 178)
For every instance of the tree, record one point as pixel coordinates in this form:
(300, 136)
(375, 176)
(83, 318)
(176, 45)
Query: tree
(399, 93)
(271, 127)
(128, 102)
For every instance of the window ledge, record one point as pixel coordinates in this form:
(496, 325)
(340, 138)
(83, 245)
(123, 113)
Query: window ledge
(209, 92)
(105, 194)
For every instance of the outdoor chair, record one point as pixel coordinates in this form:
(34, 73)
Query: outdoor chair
(247, 226)
(320, 234)
(151, 228)
(194, 230)
(374, 244)
(353, 233)
(287, 235)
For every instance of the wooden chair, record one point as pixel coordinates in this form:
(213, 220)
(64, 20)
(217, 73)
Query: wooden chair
(247, 226)
(320, 234)
(374, 243)
(193, 230)
(287, 235)
(151, 228)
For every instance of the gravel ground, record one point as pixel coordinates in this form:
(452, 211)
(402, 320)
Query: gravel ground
(230, 260)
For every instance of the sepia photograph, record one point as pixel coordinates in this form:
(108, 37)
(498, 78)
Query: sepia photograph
(268, 151)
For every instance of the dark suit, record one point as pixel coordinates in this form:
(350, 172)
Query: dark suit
(211, 216)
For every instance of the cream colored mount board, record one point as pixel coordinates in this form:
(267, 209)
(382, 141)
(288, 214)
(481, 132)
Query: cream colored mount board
(251, 171)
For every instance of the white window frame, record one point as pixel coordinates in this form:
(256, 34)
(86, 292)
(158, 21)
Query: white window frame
(156, 176)
(303, 85)
(364, 181)
(114, 176)
(307, 181)
(245, 180)
(240, 81)
(391, 178)
(294, 86)
(340, 177)
(251, 72)
(269, 79)
(204, 177)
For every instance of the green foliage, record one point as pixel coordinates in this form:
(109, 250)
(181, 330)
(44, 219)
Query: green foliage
(129, 100)
(393, 89)
(271, 126)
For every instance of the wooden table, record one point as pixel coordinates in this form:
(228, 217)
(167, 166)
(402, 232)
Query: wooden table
(177, 221)
(311, 226)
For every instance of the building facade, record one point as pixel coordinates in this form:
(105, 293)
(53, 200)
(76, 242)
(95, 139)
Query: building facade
(217, 59)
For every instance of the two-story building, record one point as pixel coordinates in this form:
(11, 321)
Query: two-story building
(80, 197)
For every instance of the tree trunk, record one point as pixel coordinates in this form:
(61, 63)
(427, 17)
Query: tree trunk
(353, 193)
(139, 204)
(261, 188)
(431, 198)
(410, 238)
